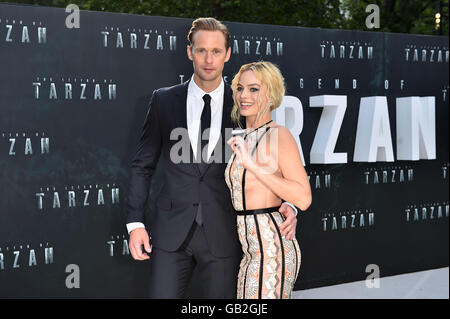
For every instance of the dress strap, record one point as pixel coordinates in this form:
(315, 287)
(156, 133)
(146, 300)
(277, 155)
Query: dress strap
(256, 146)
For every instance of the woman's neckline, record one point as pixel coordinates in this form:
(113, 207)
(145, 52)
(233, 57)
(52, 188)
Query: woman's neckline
(260, 127)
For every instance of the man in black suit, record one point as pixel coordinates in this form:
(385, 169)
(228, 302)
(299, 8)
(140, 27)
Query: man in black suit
(194, 223)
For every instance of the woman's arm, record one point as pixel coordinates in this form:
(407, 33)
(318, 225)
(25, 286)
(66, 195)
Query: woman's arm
(293, 186)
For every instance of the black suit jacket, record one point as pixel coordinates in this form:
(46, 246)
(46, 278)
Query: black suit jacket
(185, 185)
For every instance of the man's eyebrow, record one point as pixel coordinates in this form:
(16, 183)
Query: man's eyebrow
(211, 49)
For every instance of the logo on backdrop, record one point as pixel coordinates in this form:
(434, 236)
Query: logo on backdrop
(416, 122)
(426, 212)
(26, 256)
(67, 88)
(445, 90)
(118, 246)
(346, 50)
(388, 175)
(77, 196)
(319, 180)
(444, 169)
(256, 45)
(138, 38)
(15, 30)
(426, 54)
(348, 220)
(17, 144)
(335, 83)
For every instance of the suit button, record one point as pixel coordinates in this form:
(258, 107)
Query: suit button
(201, 179)
(195, 204)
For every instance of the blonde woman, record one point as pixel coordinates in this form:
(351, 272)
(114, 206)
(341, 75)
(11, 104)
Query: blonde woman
(264, 170)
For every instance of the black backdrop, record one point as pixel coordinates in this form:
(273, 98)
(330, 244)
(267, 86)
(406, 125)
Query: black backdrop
(72, 104)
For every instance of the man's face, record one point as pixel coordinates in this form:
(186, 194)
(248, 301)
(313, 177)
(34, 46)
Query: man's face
(208, 54)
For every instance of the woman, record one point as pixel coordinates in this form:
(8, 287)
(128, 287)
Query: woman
(264, 168)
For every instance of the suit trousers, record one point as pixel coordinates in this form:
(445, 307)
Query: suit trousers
(170, 272)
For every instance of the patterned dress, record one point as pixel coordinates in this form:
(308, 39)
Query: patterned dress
(270, 264)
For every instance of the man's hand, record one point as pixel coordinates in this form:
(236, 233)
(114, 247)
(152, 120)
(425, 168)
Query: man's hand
(139, 237)
(289, 226)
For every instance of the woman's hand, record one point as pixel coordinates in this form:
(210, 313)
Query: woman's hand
(240, 147)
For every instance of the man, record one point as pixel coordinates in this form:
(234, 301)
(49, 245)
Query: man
(194, 223)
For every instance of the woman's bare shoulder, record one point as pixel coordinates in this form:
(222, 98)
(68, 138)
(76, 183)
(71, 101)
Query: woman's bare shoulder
(284, 134)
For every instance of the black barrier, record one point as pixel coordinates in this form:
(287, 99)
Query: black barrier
(370, 111)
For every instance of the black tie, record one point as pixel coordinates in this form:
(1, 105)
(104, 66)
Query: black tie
(205, 123)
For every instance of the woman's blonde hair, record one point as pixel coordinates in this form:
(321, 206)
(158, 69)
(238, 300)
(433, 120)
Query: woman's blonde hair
(268, 74)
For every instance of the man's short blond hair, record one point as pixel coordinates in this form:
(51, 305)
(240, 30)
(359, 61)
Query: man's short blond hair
(208, 24)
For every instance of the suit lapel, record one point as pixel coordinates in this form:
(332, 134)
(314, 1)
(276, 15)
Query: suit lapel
(181, 109)
(180, 114)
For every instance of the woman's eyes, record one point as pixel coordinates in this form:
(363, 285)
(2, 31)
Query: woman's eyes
(240, 89)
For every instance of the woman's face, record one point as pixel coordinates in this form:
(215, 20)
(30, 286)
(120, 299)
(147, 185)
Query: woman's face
(250, 94)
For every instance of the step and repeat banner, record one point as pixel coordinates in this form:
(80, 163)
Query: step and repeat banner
(370, 112)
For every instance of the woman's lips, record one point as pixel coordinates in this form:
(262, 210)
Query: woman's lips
(246, 107)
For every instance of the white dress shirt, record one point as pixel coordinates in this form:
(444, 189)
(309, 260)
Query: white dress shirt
(194, 105)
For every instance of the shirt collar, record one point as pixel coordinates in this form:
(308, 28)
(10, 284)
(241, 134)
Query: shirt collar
(198, 92)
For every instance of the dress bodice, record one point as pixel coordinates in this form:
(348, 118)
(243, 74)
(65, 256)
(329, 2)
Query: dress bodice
(235, 172)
